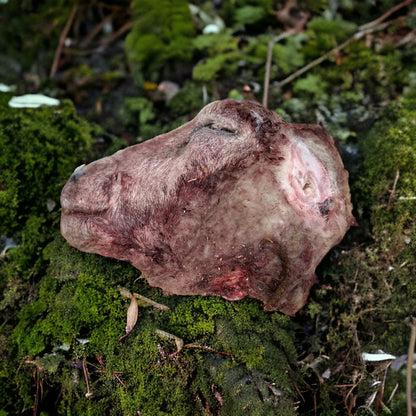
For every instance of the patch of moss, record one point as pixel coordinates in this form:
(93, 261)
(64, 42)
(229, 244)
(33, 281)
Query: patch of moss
(40, 148)
(236, 357)
(389, 186)
(160, 36)
(188, 100)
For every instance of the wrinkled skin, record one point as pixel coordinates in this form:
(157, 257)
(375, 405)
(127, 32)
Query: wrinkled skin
(235, 203)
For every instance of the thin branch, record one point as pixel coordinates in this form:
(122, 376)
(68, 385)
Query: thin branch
(267, 74)
(273, 40)
(89, 393)
(393, 191)
(410, 360)
(119, 33)
(97, 29)
(36, 404)
(325, 56)
(312, 64)
(61, 43)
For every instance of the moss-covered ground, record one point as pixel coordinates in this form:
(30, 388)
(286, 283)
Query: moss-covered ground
(236, 357)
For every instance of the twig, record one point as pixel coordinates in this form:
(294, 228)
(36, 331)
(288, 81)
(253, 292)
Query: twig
(410, 360)
(380, 393)
(143, 300)
(209, 349)
(61, 43)
(97, 29)
(113, 37)
(39, 388)
(314, 63)
(267, 74)
(273, 40)
(150, 302)
(119, 380)
(393, 191)
(36, 404)
(89, 393)
(178, 341)
(393, 393)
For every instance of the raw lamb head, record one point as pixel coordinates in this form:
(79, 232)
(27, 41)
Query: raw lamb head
(235, 203)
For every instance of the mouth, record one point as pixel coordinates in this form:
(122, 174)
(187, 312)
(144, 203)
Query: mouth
(81, 209)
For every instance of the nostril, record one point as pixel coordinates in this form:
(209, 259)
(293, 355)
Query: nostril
(78, 172)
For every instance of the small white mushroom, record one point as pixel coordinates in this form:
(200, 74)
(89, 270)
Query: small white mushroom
(32, 101)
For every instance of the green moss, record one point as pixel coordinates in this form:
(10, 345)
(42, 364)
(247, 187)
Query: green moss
(160, 35)
(40, 148)
(236, 357)
(390, 152)
(188, 100)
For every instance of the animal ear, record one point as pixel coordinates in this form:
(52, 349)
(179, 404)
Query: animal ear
(308, 176)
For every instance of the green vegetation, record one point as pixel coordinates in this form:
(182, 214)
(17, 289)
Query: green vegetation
(61, 311)
(46, 140)
(236, 357)
(160, 35)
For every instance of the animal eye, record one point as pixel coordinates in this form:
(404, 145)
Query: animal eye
(324, 207)
(220, 128)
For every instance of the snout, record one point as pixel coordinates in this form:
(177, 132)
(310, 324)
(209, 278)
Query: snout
(70, 190)
(87, 190)
(85, 200)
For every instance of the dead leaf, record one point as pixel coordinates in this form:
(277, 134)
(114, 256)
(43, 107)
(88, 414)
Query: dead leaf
(132, 312)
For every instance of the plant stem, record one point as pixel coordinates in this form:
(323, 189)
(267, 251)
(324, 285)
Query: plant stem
(61, 43)
(267, 75)
(410, 360)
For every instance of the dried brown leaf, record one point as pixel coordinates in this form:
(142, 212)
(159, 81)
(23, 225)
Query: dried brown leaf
(132, 315)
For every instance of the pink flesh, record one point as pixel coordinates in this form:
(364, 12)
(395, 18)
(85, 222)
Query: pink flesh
(233, 286)
(309, 179)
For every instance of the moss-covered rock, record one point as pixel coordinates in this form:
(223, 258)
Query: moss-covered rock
(388, 187)
(39, 150)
